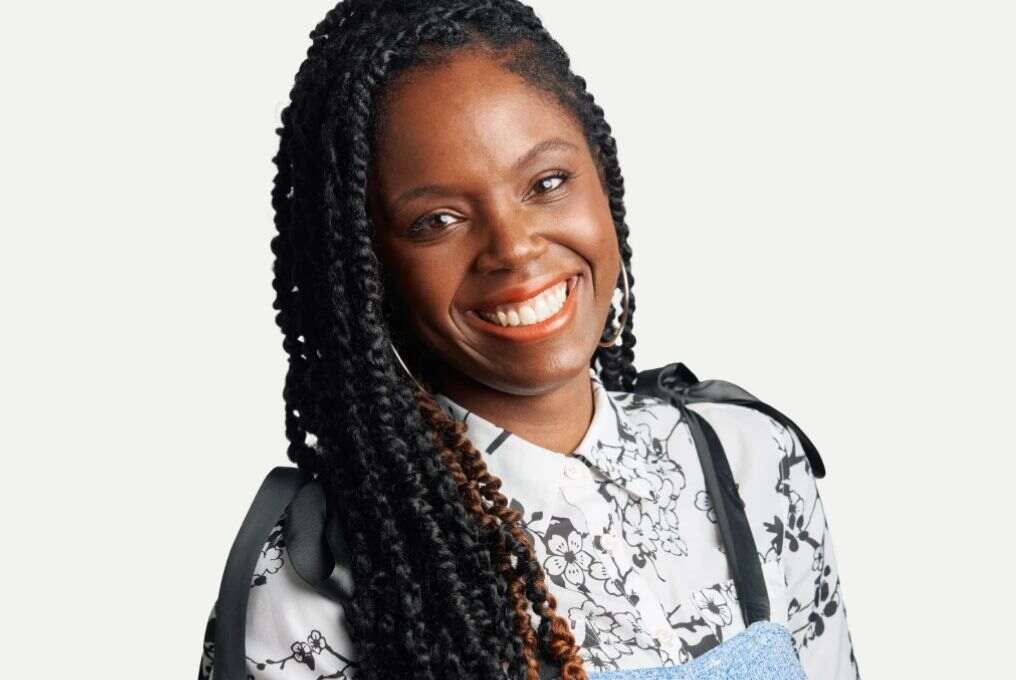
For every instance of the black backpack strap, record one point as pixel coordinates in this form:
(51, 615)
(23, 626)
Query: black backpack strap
(735, 530)
(738, 541)
(275, 494)
(677, 378)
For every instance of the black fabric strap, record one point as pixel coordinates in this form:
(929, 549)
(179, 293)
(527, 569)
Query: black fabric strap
(276, 492)
(738, 541)
(735, 530)
(810, 452)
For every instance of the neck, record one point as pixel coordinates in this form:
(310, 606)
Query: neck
(555, 417)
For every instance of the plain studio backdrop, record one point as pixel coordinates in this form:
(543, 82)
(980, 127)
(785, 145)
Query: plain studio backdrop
(821, 204)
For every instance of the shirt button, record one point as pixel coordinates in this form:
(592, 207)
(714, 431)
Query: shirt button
(665, 634)
(574, 468)
(609, 542)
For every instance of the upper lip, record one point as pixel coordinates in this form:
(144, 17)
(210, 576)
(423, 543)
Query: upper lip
(523, 291)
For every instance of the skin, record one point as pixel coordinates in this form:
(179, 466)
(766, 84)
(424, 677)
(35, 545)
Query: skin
(464, 125)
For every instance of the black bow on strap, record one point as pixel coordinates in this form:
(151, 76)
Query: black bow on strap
(677, 382)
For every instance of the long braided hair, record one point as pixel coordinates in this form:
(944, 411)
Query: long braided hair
(447, 584)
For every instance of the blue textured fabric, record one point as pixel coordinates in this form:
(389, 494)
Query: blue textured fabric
(763, 651)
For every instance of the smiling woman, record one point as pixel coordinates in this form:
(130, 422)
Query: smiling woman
(506, 497)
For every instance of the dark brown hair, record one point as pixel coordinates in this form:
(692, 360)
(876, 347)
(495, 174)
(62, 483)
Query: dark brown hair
(447, 583)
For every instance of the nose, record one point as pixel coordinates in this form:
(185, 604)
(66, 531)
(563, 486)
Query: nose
(513, 238)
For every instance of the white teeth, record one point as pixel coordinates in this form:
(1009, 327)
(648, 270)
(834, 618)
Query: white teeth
(542, 306)
(534, 310)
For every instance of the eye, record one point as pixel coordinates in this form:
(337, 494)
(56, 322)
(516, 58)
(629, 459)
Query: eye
(425, 222)
(562, 175)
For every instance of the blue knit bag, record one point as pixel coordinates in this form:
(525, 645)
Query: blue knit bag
(763, 651)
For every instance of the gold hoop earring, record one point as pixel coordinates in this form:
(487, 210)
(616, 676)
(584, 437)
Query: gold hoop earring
(406, 368)
(624, 312)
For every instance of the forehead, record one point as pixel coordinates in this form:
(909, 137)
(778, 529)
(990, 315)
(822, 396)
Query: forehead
(470, 114)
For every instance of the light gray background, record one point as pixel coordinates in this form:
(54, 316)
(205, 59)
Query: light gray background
(821, 200)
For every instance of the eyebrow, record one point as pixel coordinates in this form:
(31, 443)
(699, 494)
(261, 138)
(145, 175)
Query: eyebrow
(551, 144)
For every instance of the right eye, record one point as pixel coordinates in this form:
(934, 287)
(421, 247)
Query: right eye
(425, 222)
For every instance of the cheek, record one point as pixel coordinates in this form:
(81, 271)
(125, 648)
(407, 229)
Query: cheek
(592, 235)
(425, 289)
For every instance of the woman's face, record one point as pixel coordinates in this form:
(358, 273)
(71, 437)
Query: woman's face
(484, 192)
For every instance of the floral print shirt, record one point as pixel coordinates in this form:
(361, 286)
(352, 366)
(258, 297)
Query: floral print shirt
(627, 536)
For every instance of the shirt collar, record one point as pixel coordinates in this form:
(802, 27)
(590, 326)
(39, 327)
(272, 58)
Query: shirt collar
(615, 446)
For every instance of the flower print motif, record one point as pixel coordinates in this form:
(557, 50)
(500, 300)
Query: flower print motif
(628, 630)
(639, 528)
(302, 653)
(317, 641)
(673, 544)
(781, 435)
(630, 461)
(713, 606)
(270, 561)
(796, 504)
(643, 486)
(613, 651)
(637, 448)
(597, 658)
(818, 558)
(669, 519)
(598, 621)
(616, 586)
(570, 559)
(668, 492)
(597, 627)
(704, 502)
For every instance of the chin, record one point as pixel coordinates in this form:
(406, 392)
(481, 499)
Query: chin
(538, 376)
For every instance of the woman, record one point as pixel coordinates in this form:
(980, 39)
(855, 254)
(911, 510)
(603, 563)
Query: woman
(509, 502)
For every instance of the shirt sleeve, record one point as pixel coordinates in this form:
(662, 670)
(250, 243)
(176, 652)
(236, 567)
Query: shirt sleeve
(293, 632)
(816, 613)
(207, 649)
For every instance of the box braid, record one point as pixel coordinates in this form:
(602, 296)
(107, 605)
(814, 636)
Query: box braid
(405, 475)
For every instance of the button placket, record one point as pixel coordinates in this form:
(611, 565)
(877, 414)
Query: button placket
(574, 482)
(575, 469)
(664, 633)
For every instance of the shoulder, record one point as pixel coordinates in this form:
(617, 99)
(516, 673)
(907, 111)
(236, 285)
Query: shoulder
(754, 442)
(293, 630)
(752, 439)
(645, 412)
(743, 430)
(771, 467)
(766, 458)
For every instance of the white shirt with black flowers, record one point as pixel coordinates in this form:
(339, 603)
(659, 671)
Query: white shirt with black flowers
(628, 539)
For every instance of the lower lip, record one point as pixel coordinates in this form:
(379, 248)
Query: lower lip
(532, 332)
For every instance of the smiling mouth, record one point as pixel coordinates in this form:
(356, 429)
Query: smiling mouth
(534, 310)
(531, 319)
